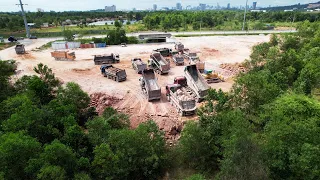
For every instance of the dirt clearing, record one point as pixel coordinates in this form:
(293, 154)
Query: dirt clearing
(127, 96)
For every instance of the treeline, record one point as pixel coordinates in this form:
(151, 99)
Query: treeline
(154, 20)
(14, 21)
(267, 127)
(216, 19)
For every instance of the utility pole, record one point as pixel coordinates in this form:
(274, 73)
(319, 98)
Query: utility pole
(24, 18)
(244, 18)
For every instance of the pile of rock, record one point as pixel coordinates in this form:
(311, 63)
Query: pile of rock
(183, 96)
(101, 101)
(233, 68)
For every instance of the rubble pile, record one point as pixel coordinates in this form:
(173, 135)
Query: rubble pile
(233, 68)
(101, 101)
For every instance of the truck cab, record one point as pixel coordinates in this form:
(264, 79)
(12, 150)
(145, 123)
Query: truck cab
(182, 80)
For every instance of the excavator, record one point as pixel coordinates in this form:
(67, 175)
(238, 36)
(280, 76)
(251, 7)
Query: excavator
(212, 77)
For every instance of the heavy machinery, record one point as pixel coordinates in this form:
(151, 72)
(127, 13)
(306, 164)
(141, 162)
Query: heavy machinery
(181, 98)
(149, 85)
(212, 77)
(191, 56)
(178, 59)
(138, 65)
(113, 73)
(63, 55)
(158, 63)
(196, 82)
(106, 59)
(20, 49)
(179, 47)
(200, 65)
(165, 52)
(12, 39)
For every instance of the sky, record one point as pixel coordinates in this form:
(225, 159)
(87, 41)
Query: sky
(83, 5)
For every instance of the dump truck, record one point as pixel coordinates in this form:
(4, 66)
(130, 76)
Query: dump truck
(191, 56)
(113, 73)
(20, 49)
(158, 63)
(212, 77)
(138, 65)
(165, 52)
(179, 47)
(149, 85)
(196, 82)
(63, 55)
(200, 65)
(106, 59)
(181, 98)
(178, 59)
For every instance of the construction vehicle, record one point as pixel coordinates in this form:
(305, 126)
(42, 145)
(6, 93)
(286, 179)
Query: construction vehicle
(165, 52)
(191, 56)
(196, 82)
(106, 59)
(200, 64)
(20, 49)
(158, 63)
(179, 47)
(181, 98)
(212, 77)
(63, 55)
(113, 73)
(138, 65)
(149, 85)
(12, 39)
(178, 59)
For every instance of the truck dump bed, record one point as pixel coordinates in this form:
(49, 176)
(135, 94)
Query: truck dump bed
(63, 55)
(20, 49)
(152, 87)
(106, 59)
(138, 65)
(196, 81)
(163, 64)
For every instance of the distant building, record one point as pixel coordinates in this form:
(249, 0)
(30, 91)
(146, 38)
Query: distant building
(134, 9)
(314, 5)
(254, 5)
(110, 8)
(228, 7)
(202, 7)
(155, 7)
(178, 6)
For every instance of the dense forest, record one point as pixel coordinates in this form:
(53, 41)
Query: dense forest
(154, 20)
(266, 127)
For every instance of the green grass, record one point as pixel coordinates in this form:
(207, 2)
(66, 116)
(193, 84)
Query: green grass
(137, 27)
(6, 45)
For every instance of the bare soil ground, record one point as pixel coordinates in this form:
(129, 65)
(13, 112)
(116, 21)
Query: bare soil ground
(127, 96)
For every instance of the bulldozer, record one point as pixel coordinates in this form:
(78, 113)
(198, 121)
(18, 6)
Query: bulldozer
(212, 77)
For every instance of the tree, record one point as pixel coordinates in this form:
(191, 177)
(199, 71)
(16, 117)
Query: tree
(131, 154)
(199, 148)
(117, 24)
(55, 158)
(291, 137)
(7, 68)
(68, 35)
(52, 173)
(16, 150)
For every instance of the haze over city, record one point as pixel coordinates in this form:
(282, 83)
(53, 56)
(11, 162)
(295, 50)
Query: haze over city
(83, 5)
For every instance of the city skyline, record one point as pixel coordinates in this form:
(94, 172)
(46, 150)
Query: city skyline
(85, 5)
